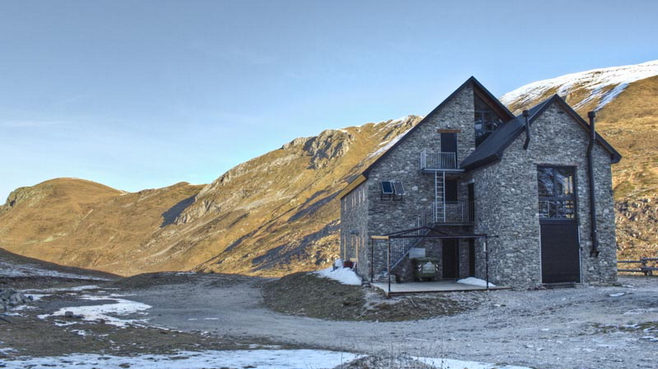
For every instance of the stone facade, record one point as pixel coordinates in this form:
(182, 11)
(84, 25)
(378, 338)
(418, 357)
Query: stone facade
(354, 239)
(506, 198)
(507, 206)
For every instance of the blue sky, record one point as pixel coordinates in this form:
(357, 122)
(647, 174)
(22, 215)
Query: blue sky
(145, 94)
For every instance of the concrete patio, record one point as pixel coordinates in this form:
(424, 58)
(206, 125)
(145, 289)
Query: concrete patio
(429, 287)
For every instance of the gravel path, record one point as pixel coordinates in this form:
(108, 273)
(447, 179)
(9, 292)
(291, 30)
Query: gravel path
(587, 327)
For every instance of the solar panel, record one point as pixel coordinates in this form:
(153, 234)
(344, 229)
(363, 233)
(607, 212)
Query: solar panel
(398, 188)
(387, 188)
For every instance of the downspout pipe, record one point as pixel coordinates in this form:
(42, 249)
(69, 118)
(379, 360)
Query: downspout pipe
(594, 252)
(527, 130)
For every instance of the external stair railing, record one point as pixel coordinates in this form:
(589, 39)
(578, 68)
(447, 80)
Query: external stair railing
(438, 160)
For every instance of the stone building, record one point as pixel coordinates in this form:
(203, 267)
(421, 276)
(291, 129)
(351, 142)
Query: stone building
(487, 194)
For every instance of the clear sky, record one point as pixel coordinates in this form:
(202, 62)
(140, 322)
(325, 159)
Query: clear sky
(145, 94)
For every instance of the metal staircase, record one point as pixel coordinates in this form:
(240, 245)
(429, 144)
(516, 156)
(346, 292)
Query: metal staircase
(436, 214)
(439, 211)
(400, 251)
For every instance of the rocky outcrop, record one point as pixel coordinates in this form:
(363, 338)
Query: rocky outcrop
(10, 298)
(24, 195)
(637, 228)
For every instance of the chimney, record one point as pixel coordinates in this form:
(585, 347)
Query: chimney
(527, 130)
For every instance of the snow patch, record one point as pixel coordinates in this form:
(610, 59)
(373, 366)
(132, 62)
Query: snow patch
(67, 289)
(611, 95)
(461, 364)
(387, 145)
(472, 281)
(100, 312)
(7, 351)
(641, 311)
(342, 275)
(594, 81)
(262, 359)
(79, 332)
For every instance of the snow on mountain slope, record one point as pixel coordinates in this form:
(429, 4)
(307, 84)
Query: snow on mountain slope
(602, 85)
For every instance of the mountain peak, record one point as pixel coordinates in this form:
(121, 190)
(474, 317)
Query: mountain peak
(593, 88)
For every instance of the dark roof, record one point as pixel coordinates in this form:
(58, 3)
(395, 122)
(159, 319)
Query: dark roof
(493, 147)
(476, 84)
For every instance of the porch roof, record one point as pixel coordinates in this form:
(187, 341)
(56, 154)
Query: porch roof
(431, 233)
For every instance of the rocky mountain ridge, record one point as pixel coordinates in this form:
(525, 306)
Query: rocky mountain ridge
(585, 91)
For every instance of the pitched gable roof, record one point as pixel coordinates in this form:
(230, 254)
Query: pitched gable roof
(483, 93)
(476, 84)
(494, 146)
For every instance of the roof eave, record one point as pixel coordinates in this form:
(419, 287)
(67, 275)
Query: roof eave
(356, 182)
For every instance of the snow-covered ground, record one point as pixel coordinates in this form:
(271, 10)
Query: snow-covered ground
(342, 275)
(461, 364)
(604, 83)
(261, 359)
(104, 311)
(472, 281)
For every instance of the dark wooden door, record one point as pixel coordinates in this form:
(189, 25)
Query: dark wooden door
(560, 255)
(450, 259)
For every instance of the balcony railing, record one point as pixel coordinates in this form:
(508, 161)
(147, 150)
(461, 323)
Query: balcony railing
(438, 161)
(454, 212)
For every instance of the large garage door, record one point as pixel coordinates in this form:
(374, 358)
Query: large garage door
(560, 256)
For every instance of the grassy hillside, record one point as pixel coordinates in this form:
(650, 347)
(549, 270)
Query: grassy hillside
(272, 215)
(630, 123)
(85, 224)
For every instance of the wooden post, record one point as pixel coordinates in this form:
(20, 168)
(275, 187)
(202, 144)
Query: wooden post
(486, 262)
(372, 260)
(388, 267)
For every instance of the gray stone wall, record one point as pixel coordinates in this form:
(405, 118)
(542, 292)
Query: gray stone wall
(604, 268)
(507, 204)
(353, 228)
(402, 164)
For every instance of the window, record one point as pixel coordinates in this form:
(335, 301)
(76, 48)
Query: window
(398, 188)
(387, 188)
(556, 192)
(392, 190)
(448, 142)
(485, 121)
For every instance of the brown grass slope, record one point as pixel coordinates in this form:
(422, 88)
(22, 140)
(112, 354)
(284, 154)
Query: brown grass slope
(630, 124)
(272, 215)
(85, 224)
(279, 213)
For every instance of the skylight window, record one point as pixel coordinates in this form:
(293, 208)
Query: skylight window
(392, 190)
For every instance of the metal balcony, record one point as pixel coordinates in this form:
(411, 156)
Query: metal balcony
(449, 212)
(440, 161)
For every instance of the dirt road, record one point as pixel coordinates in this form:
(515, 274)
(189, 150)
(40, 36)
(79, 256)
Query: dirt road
(587, 327)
